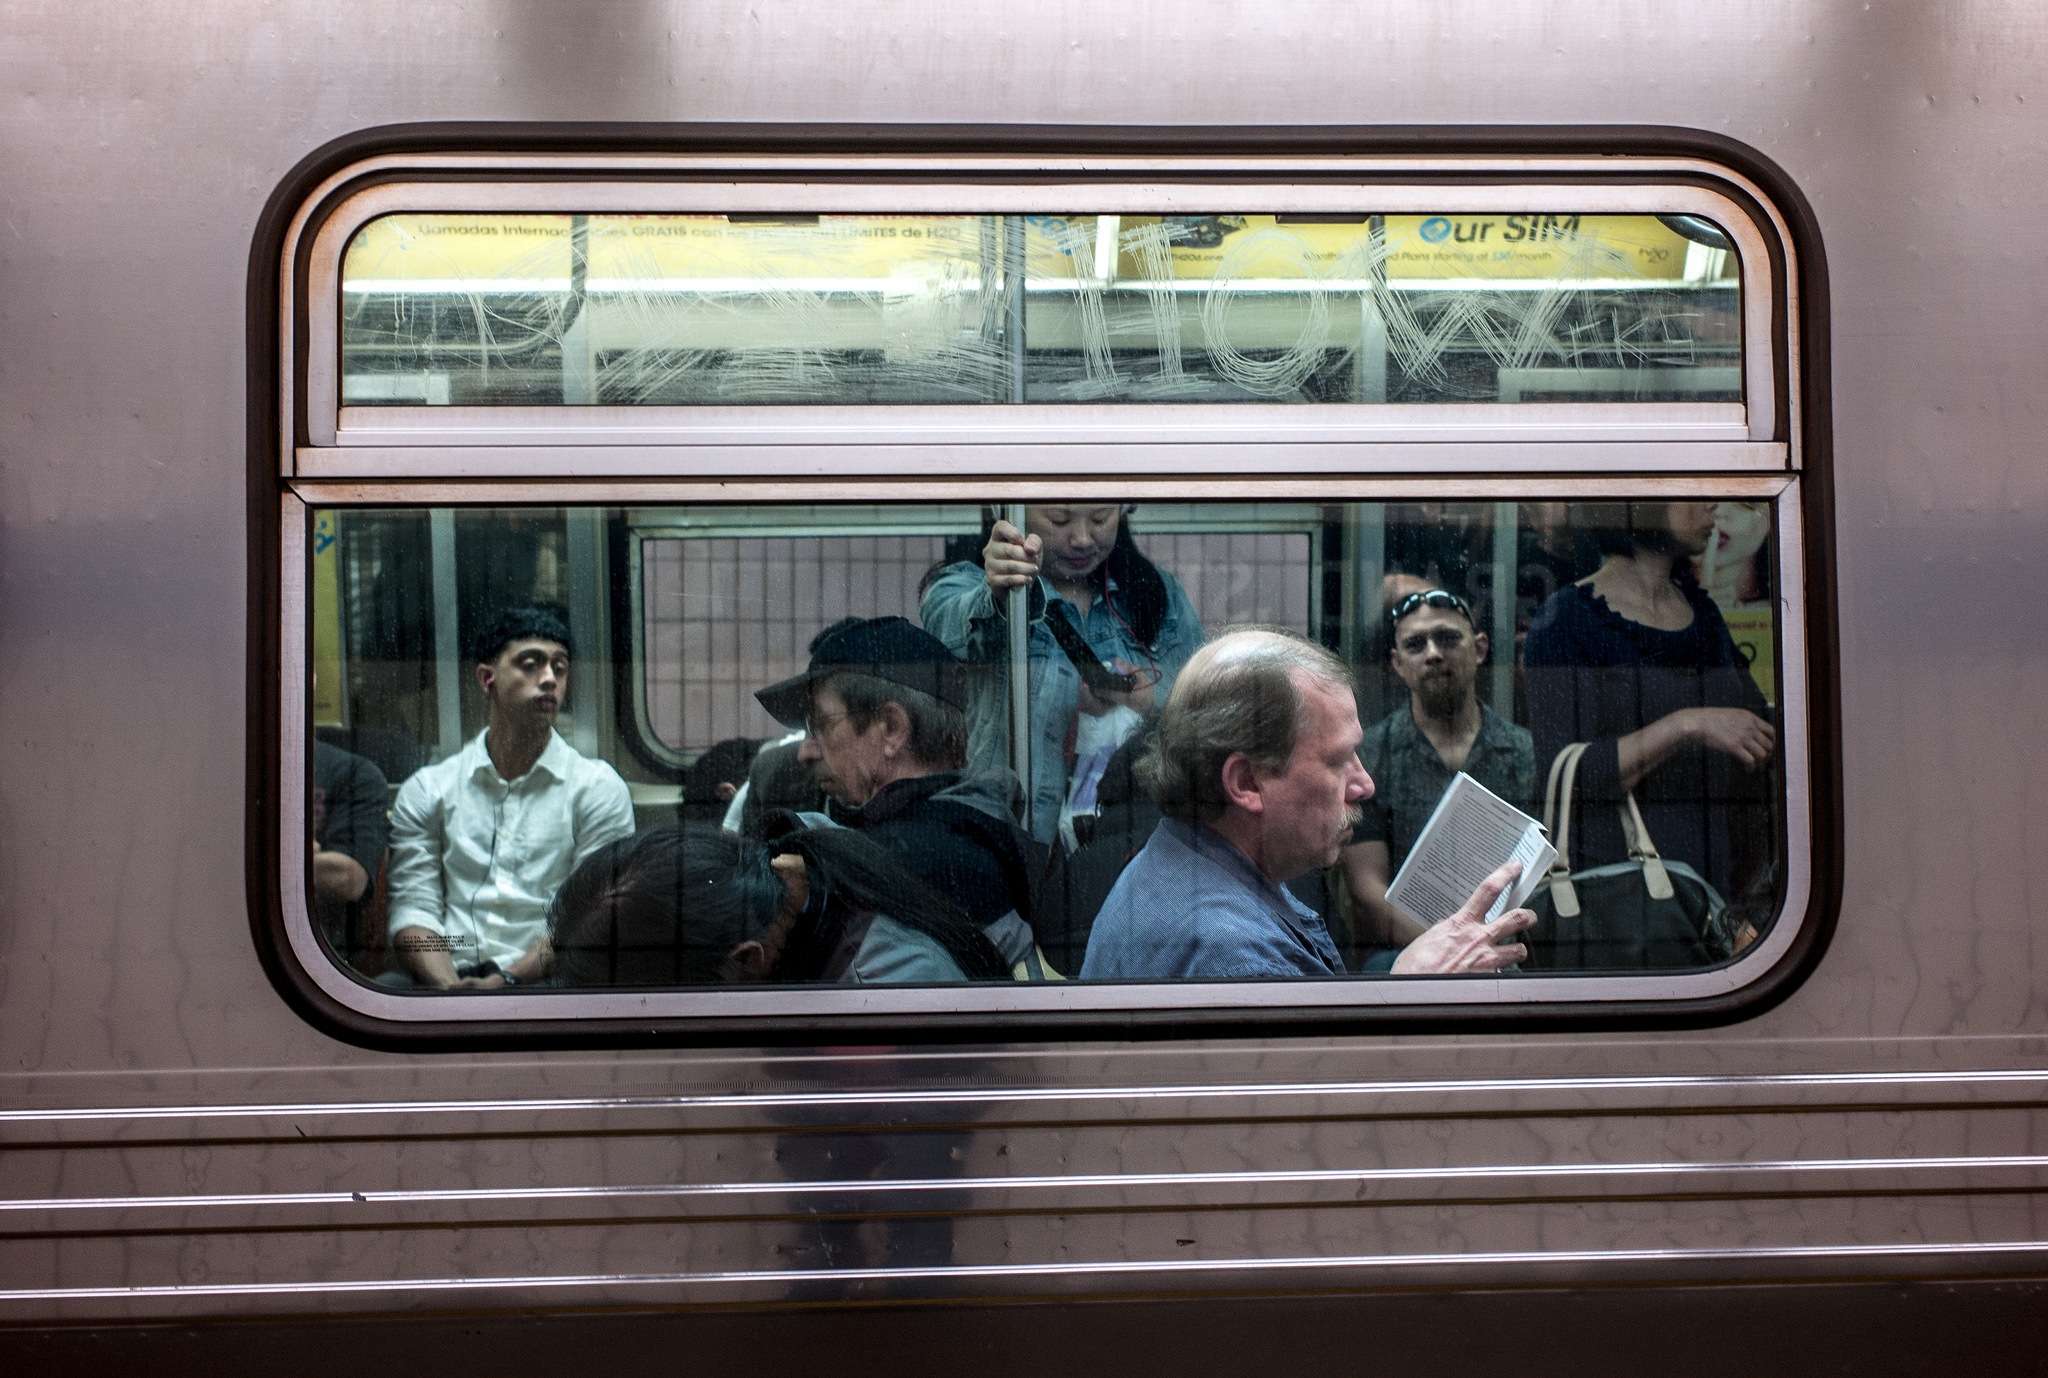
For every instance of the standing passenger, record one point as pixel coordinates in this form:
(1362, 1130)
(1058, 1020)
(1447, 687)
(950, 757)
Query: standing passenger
(1079, 563)
(1413, 752)
(1636, 660)
(481, 841)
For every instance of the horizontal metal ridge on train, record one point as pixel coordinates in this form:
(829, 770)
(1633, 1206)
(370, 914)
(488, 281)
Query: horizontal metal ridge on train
(1078, 1191)
(1594, 1267)
(1533, 1095)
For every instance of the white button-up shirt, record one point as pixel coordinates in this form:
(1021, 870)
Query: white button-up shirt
(477, 859)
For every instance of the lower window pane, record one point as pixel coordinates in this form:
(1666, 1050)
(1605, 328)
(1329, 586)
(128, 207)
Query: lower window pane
(723, 746)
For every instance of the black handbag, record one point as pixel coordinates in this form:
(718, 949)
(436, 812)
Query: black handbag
(1643, 914)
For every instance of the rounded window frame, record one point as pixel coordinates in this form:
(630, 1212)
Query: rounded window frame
(297, 464)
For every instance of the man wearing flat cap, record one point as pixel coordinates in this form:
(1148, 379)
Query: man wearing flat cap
(886, 736)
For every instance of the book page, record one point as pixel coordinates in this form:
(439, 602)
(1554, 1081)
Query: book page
(1472, 832)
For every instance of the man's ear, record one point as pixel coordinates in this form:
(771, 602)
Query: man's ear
(894, 721)
(484, 675)
(1480, 644)
(746, 964)
(1241, 783)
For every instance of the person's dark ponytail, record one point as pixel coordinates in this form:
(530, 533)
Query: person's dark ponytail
(1140, 586)
(850, 872)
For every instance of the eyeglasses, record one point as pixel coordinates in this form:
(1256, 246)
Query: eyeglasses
(819, 724)
(1429, 598)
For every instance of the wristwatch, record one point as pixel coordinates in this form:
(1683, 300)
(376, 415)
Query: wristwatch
(507, 977)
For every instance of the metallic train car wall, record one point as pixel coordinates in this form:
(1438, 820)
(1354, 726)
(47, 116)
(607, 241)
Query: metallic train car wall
(181, 1147)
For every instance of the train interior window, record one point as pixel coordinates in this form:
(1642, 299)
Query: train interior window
(723, 746)
(447, 309)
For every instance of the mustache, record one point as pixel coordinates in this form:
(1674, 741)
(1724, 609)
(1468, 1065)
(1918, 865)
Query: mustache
(1353, 816)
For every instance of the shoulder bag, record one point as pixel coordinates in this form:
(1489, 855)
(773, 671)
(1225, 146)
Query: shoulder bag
(1643, 914)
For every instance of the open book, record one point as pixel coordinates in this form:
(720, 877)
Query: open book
(1472, 832)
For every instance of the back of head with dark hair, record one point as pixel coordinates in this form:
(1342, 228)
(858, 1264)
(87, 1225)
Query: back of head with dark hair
(1237, 696)
(662, 908)
(667, 907)
(521, 624)
(727, 763)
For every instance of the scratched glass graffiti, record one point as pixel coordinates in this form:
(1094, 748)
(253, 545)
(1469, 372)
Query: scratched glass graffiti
(715, 310)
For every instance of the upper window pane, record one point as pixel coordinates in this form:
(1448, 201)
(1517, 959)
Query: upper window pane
(506, 310)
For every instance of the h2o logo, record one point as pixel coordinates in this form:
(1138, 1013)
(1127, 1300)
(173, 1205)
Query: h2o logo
(1436, 229)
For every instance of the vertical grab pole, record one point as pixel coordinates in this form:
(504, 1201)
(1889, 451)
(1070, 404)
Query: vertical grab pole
(1013, 302)
(579, 365)
(1020, 668)
(1372, 323)
(1505, 552)
(1019, 609)
(448, 666)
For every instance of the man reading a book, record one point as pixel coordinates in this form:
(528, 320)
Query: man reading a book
(1256, 769)
(1413, 753)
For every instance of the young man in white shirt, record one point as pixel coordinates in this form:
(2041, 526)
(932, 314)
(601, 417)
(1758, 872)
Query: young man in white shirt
(481, 841)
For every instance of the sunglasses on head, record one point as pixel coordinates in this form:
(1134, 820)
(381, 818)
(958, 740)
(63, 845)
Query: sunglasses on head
(1429, 598)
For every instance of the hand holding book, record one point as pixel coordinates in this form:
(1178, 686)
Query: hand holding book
(1467, 941)
(1474, 863)
(1472, 833)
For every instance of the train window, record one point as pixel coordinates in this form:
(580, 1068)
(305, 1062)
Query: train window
(708, 309)
(799, 593)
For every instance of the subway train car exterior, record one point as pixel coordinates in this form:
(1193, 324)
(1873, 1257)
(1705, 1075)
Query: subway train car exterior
(334, 336)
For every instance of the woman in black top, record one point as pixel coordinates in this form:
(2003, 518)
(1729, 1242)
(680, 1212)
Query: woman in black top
(1636, 660)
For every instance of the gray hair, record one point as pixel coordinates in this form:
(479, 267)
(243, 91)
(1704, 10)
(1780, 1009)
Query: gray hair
(938, 730)
(1239, 695)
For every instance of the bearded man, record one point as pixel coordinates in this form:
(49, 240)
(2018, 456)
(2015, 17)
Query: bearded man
(1413, 752)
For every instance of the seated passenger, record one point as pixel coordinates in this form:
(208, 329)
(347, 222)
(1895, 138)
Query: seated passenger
(1258, 775)
(886, 738)
(776, 780)
(1080, 564)
(349, 800)
(480, 841)
(714, 780)
(1413, 752)
(693, 906)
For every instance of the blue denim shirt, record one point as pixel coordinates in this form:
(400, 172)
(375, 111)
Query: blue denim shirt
(1190, 906)
(960, 609)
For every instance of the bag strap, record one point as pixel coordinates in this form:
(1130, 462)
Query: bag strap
(1550, 789)
(1656, 879)
(1557, 805)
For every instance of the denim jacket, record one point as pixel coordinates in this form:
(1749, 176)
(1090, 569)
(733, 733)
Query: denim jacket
(961, 610)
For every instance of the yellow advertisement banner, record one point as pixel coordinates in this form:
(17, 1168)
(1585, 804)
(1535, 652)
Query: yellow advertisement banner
(687, 252)
(538, 249)
(1510, 247)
